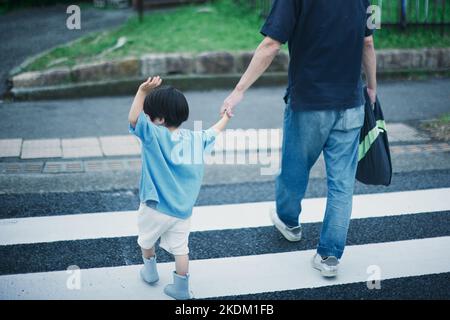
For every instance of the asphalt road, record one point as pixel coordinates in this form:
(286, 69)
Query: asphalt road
(262, 108)
(27, 32)
(430, 287)
(39, 195)
(111, 252)
(17, 205)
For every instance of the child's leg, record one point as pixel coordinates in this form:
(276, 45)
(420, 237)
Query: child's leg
(179, 289)
(151, 225)
(149, 272)
(182, 264)
(148, 253)
(175, 241)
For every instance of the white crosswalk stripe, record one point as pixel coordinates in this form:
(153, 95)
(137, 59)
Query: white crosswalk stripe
(217, 217)
(229, 276)
(239, 275)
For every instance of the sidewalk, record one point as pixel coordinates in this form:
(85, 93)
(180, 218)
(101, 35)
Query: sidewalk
(250, 140)
(119, 153)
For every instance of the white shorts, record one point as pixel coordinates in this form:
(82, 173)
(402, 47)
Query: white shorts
(174, 232)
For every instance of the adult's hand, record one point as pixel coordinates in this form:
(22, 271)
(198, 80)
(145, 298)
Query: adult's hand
(230, 102)
(372, 95)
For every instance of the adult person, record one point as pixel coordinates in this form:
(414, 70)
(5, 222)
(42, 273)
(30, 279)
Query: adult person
(328, 43)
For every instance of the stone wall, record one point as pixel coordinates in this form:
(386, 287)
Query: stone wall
(212, 63)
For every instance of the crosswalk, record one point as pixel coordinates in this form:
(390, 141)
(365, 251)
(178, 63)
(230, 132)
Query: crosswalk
(229, 271)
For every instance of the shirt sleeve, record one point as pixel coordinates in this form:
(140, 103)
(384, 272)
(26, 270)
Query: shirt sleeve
(209, 138)
(368, 32)
(144, 129)
(281, 22)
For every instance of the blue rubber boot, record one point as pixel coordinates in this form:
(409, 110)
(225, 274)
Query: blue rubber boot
(149, 272)
(180, 288)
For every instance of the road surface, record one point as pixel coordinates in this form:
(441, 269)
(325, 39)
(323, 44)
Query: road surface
(84, 217)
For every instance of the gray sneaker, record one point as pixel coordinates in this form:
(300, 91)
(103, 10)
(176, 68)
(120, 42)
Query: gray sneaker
(291, 234)
(328, 267)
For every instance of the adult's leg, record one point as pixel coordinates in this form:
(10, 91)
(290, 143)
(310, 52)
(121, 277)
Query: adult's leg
(341, 159)
(304, 135)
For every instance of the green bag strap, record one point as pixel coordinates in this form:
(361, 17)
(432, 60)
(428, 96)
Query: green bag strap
(370, 138)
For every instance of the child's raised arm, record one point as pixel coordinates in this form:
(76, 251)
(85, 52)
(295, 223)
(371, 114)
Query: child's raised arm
(138, 102)
(222, 123)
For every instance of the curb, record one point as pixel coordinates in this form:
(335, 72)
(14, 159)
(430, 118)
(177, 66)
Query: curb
(189, 71)
(126, 163)
(129, 86)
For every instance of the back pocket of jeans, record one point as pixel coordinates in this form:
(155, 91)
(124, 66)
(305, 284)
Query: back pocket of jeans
(353, 118)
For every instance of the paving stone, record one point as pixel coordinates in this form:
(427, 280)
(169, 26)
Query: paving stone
(178, 63)
(12, 168)
(111, 165)
(214, 63)
(444, 60)
(153, 64)
(63, 167)
(94, 166)
(24, 167)
(34, 167)
(42, 78)
(41, 148)
(10, 147)
(53, 167)
(119, 145)
(76, 166)
(115, 165)
(85, 152)
(399, 132)
(81, 148)
(123, 68)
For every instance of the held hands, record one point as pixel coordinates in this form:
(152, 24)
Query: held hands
(150, 84)
(230, 102)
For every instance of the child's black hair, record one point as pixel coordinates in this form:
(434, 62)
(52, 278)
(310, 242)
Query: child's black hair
(168, 103)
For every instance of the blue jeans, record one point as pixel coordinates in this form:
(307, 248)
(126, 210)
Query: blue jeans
(306, 135)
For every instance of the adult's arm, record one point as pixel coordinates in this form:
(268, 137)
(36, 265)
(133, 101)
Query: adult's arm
(370, 67)
(262, 58)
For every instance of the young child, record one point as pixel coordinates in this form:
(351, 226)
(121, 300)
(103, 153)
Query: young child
(172, 172)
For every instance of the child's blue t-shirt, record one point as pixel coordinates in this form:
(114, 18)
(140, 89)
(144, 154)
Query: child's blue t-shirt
(172, 165)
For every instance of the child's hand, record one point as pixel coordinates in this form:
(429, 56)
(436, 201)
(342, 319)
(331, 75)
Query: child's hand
(150, 84)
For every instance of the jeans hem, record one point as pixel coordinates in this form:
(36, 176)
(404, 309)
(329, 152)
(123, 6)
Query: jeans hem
(327, 252)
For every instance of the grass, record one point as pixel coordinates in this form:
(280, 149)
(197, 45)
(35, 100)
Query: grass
(389, 38)
(439, 128)
(444, 119)
(225, 26)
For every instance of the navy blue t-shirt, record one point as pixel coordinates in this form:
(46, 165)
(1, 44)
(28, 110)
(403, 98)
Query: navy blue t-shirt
(325, 39)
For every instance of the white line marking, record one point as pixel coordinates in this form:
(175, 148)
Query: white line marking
(234, 216)
(240, 275)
